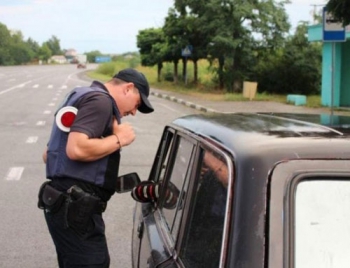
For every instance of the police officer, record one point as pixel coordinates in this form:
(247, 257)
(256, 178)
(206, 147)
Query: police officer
(82, 165)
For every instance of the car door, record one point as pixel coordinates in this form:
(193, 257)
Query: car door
(156, 225)
(309, 216)
(204, 229)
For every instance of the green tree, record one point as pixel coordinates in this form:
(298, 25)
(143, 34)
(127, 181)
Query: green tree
(193, 32)
(174, 33)
(20, 53)
(54, 45)
(5, 39)
(153, 48)
(92, 55)
(340, 10)
(229, 30)
(295, 68)
(44, 52)
(34, 48)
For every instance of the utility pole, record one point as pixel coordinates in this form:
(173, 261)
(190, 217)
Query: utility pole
(315, 11)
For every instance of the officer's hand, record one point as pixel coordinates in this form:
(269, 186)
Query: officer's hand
(125, 133)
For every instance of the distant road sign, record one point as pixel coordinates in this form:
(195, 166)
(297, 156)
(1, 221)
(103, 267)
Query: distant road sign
(333, 30)
(187, 51)
(100, 59)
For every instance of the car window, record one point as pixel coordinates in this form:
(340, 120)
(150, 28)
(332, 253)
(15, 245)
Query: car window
(161, 160)
(174, 190)
(164, 163)
(202, 241)
(322, 221)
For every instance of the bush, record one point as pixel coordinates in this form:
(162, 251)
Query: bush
(107, 69)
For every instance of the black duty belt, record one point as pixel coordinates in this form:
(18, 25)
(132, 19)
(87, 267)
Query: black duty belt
(52, 199)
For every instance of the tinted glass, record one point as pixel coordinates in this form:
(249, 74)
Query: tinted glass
(204, 231)
(322, 224)
(163, 155)
(174, 192)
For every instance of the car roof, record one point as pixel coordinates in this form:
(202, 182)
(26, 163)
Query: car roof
(286, 135)
(257, 143)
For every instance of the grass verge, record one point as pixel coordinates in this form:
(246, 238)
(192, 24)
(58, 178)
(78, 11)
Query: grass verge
(201, 90)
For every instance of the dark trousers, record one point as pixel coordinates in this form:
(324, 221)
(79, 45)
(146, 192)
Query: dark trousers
(74, 249)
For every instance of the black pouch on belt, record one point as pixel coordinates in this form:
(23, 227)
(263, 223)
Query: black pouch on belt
(50, 198)
(81, 207)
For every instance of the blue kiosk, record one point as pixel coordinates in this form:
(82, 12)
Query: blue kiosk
(335, 55)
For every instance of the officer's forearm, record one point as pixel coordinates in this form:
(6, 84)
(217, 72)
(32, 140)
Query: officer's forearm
(81, 148)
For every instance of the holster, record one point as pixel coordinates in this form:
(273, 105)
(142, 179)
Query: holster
(80, 208)
(49, 198)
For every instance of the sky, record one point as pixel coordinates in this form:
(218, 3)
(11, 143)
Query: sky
(110, 26)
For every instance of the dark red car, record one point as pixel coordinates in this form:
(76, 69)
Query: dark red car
(81, 66)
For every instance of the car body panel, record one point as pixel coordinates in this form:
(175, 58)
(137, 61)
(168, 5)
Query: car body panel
(256, 144)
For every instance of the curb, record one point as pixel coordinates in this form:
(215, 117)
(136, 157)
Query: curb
(183, 102)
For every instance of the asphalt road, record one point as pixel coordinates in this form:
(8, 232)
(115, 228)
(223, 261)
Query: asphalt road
(29, 96)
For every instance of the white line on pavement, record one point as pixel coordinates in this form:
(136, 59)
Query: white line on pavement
(12, 88)
(32, 139)
(14, 174)
(40, 123)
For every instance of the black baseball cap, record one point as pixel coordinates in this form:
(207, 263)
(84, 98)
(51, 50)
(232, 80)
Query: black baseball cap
(140, 82)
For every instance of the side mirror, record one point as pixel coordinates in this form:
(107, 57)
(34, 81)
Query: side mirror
(127, 182)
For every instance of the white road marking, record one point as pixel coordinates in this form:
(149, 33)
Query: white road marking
(12, 88)
(64, 87)
(32, 139)
(50, 86)
(54, 99)
(36, 86)
(51, 104)
(14, 174)
(40, 123)
(47, 112)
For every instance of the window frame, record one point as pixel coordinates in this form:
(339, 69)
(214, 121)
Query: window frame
(283, 182)
(206, 143)
(168, 176)
(164, 147)
(164, 231)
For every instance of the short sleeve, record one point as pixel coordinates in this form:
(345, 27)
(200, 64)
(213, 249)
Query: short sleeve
(95, 115)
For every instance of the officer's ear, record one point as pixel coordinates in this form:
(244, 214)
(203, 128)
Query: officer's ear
(128, 87)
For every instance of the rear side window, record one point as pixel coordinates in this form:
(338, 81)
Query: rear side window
(322, 223)
(203, 235)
